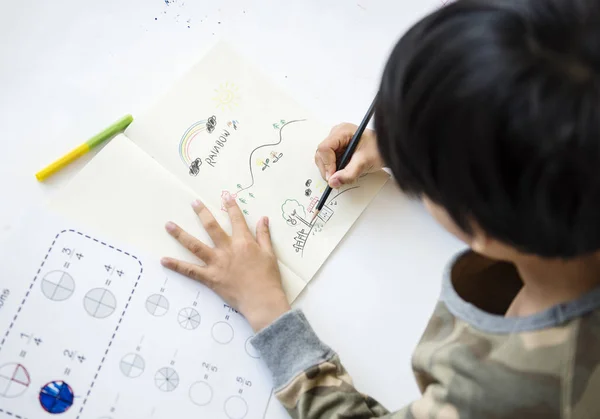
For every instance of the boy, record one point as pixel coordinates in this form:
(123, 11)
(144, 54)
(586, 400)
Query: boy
(488, 112)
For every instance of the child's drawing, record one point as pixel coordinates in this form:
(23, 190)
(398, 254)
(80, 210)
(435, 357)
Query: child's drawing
(195, 167)
(224, 196)
(211, 124)
(192, 134)
(226, 96)
(292, 212)
(259, 150)
(325, 213)
(264, 162)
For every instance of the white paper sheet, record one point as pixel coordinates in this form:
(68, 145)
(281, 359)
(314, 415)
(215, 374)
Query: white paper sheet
(225, 129)
(91, 329)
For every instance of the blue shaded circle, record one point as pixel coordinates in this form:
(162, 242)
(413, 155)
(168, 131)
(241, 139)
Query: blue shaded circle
(56, 397)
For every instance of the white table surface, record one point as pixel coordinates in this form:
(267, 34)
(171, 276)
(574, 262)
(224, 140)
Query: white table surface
(70, 67)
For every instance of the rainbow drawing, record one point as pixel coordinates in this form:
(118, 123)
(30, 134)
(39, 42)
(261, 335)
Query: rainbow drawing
(186, 140)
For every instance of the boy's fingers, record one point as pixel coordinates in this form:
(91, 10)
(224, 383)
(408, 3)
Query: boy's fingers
(212, 227)
(185, 268)
(327, 155)
(263, 235)
(320, 164)
(356, 167)
(334, 145)
(191, 243)
(238, 222)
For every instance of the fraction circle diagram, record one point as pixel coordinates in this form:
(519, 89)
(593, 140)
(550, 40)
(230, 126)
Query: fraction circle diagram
(188, 318)
(166, 379)
(100, 303)
(58, 285)
(236, 407)
(201, 393)
(56, 397)
(132, 365)
(157, 305)
(14, 380)
(222, 332)
(251, 350)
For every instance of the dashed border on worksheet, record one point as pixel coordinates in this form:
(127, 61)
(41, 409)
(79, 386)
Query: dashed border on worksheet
(114, 332)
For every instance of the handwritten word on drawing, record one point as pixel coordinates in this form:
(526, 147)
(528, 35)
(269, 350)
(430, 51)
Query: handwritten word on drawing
(193, 134)
(211, 160)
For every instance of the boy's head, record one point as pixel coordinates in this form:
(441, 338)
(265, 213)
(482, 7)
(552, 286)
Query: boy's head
(490, 109)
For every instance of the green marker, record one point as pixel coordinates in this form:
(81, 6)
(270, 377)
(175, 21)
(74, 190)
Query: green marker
(84, 148)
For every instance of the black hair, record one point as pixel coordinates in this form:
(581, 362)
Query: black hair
(491, 109)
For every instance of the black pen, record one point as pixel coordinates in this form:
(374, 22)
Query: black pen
(347, 154)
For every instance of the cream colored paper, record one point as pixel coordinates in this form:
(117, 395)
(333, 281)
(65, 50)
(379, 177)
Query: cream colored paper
(128, 196)
(225, 129)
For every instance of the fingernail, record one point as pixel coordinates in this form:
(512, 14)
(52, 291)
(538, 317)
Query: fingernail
(229, 200)
(197, 204)
(266, 221)
(335, 183)
(164, 261)
(170, 226)
(327, 176)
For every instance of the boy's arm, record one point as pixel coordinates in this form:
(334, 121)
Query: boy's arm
(309, 378)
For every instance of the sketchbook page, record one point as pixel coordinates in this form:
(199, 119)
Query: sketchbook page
(226, 130)
(91, 328)
(124, 193)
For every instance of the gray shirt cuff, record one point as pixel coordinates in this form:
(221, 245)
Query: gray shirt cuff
(289, 346)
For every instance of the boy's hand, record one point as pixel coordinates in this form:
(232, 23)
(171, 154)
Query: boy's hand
(240, 269)
(365, 159)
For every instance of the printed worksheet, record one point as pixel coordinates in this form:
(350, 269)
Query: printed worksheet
(90, 329)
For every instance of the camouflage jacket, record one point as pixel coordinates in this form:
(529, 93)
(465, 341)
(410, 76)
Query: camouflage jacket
(472, 362)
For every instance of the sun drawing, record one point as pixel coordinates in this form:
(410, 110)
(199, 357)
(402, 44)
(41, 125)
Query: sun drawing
(226, 96)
